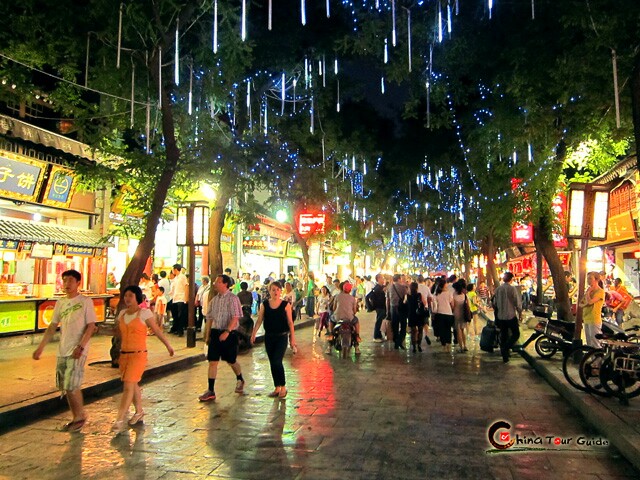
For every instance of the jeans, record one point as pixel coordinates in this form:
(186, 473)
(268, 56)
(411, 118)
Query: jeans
(381, 313)
(619, 317)
(311, 305)
(509, 335)
(276, 346)
(398, 326)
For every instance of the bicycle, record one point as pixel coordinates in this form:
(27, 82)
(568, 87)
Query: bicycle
(591, 363)
(620, 371)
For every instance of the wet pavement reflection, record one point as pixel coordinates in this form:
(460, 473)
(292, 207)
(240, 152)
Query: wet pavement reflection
(385, 415)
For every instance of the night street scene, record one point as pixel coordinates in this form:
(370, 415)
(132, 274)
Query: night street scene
(320, 239)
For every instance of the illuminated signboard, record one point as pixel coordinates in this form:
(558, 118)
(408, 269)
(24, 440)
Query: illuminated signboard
(310, 223)
(20, 177)
(59, 188)
(559, 207)
(522, 233)
(254, 243)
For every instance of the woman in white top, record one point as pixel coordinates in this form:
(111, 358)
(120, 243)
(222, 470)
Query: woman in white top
(443, 313)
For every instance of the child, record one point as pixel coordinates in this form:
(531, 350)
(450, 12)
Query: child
(160, 308)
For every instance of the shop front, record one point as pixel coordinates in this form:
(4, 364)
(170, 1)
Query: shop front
(44, 231)
(266, 249)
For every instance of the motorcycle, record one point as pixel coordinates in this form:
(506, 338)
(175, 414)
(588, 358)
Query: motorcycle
(551, 335)
(342, 338)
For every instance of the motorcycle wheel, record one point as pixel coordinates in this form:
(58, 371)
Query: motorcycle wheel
(613, 380)
(590, 372)
(571, 366)
(545, 347)
(345, 339)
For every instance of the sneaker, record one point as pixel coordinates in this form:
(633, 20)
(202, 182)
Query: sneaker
(207, 396)
(239, 386)
(377, 340)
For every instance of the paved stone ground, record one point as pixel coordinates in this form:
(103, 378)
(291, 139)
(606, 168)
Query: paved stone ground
(386, 415)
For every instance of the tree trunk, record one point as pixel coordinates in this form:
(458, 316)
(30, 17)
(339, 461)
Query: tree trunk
(352, 261)
(136, 266)
(492, 272)
(635, 104)
(134, 269)
(304, 247)
(542, 238)
(216, 224)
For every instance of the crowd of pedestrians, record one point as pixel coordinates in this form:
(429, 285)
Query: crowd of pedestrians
(446, 309)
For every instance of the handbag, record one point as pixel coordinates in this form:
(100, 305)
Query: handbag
(467, 310)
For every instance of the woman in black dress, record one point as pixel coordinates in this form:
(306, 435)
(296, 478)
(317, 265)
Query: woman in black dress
(417, 316)
(278, 328)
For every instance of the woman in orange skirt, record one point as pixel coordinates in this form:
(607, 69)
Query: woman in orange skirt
(131, 327)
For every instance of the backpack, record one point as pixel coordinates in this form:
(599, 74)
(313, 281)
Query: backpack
(368, 302)
(375, 299)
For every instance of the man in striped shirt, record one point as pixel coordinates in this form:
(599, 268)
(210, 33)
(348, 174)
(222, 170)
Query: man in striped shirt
(223, 318)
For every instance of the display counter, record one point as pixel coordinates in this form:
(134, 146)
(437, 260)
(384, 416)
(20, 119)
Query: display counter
(20, 315)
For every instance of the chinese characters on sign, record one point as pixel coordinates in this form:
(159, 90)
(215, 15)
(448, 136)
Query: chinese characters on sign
(310, 223)
(20, 179)
(254, 243)
(59, 187)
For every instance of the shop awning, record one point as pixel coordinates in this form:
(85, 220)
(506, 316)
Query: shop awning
(19, 129)
(46, 233)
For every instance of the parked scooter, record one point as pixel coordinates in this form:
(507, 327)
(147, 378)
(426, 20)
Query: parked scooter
(552, 335)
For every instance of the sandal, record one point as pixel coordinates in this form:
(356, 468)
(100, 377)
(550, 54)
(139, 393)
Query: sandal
(73, 426)
(118, 427)
(283, 393)
(137, 419)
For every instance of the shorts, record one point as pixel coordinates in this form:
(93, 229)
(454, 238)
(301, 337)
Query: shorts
(132, 366)
(69, 373)
(227, 350)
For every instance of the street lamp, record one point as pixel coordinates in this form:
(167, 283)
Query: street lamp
(587, 220)
(192, 231)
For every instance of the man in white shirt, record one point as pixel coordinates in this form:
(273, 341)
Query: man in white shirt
(77, 320)
(179, 293)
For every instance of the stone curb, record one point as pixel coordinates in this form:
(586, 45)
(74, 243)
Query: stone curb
(33, 409)
(619, 434)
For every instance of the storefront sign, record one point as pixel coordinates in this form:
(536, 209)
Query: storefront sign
(9, 244)
(80, 251)
(42, 250)
(45, 313)
(254, 243)
(17, 317)
(20, 177)
(59, 249)
(26, 247)
(311, 223)
(522, 233)
(59, 188)
(559, 208)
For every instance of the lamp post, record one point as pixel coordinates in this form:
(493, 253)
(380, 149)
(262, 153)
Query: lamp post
(192, 231)
(588, 219)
